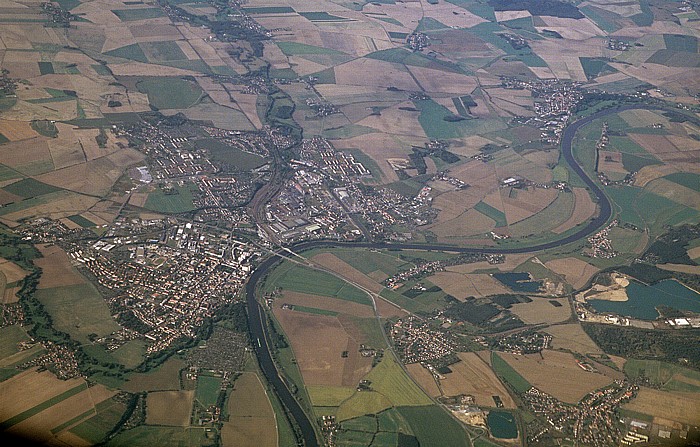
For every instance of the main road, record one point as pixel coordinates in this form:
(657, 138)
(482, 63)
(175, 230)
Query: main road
(257, 316)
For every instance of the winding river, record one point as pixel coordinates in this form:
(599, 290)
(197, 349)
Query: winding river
(256, 315)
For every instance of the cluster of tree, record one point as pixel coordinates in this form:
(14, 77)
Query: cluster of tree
(476, 314)
(680, 347)
(672, 246)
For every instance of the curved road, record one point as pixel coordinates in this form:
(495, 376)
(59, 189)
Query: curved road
(256, 316)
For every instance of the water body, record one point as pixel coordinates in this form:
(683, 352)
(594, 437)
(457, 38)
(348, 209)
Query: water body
(518, 282)
(256, 315)
(502, 425)
(643, 300)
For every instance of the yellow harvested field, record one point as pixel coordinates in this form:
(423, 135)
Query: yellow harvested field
(575, 271)
(678, 407)
(694, 253)
(60, 204)
(376, 73)
(611, 161)
(460, 227)
(94, 177)
(463, 286)
(395, 121)
(454, 204)
(57, 270)
(27, 156)
(584, 209)
(12, 271)
(29, 389)
(474, 377)
(527, 203)
(673, 191)
(438, 81)
(424, 379)
(557, 373)
(318, 342)
(684, 268)
(252, 421)
(345, 270)
(41, 424)
(16, 130)
(169, 408)
(540, 310)
(572, 337)
(326, 303)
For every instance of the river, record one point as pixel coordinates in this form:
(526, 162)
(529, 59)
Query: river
(256, 316)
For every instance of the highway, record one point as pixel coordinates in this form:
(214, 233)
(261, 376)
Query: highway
(257, 316)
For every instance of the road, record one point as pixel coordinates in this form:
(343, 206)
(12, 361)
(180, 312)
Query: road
(256, 316)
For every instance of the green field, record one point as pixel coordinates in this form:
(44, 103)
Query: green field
(434, 427)
(645, 209)
(133, 52)
(45, 128)
(9, 337)
(127, 15)
(7, 173)
(230, 155)
(131, 353)
(80, 220)
(148, 436)
(390, 380)
(489, 211)
(634, 163)
(176, 200)
(666, 375)
(95, 429)
(328, 396)
(322, 17)
(400, 300)
(163, 51)
(29, 187)
(208, 388)
(302, 279)
(361, 403)
(507, 373)
(78, 310)
(554, 215)
(687, 179)
(161, 92)
(371, 261)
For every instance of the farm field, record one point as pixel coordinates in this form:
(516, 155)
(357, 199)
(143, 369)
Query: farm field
(474, 377)
(674, 406)
(172, 408)
(78, 309)
(164, 377)
(292, 277)
(541, 310)
(447, 104)
(670, 377)
(557, 374)
(252, 421)
(318, 342)
(571, 336)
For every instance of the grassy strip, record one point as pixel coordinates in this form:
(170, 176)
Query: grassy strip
(42, 406)
(504, 370)
(75, 420)
(314, 310)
